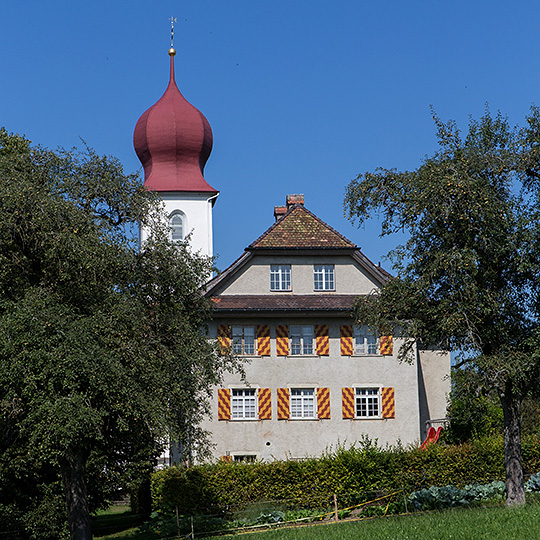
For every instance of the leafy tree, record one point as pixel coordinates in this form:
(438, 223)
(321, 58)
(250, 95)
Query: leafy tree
(469, 272)
(101, 348)
(474, 411)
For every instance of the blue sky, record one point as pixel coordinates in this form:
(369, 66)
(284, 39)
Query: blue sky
(301, 96)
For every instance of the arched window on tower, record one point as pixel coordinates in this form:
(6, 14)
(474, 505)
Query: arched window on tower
(177, 225)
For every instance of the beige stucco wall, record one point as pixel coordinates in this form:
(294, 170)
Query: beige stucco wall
(254, 278)
(420, 387)
(434, 385)
(285, 439)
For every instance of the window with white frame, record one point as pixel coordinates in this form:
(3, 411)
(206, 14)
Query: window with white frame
(244, 403)
(302, 402)
(323, 277)
(301, 337)
(243, 339)
(244, 458)
(367, 402)
(280, 277)
(364, 341)
(176, 223)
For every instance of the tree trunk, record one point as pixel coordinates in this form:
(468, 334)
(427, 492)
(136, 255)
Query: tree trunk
(515, 487)
(76, 499)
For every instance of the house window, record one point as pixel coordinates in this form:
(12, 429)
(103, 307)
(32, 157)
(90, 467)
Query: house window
(245, 458)
(280, 277)
(367, 403)
(301, 339)
(244, 404)
(243, 339)
(302, 403)
(364, 341)
(323, 277)
(176, 223)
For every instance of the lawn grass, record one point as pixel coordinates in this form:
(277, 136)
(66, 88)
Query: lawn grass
(495, 523)
(498, 523)
(117, 522)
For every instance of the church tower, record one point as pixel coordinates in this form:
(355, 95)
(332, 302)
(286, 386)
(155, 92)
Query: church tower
(173, 141)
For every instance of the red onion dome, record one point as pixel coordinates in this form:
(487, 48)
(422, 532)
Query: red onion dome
(173, 140)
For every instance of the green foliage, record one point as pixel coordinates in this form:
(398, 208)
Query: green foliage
(140, 497)
(469, 273)
(474, 411)
(435, 498)
(356, 475)
(272, 517)
(306, 515)
(533, 483)
(101, 349)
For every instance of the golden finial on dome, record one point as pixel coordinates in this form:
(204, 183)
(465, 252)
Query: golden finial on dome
(172, 52)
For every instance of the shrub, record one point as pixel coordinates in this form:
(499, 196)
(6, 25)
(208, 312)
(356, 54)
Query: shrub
(355, 474)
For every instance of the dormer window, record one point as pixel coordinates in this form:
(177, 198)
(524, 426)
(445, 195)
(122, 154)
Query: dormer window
(176, 223)
(280, 277)
(323, 277)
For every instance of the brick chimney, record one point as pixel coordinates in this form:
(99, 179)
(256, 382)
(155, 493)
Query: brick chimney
(279, 212)
(295, 199)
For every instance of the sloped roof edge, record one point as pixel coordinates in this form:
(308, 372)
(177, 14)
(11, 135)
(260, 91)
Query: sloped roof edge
(281, 302)
(371, 267)
(213, 283)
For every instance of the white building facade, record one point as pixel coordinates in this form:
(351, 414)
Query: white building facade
(314, 379)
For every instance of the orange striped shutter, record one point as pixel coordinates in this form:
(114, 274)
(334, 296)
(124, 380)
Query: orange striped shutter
(346, 340)
(323, 403)
(282, 340)
(386, 345)
(265, 404)
(224, 336)
(263, 340)
(347, 399)
(321, 334)
(283, 403)
(388, 403)
(224, 404)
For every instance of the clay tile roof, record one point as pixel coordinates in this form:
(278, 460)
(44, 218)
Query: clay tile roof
(284, 302)
(300, 228)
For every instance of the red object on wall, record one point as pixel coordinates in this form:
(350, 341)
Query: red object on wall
(432, 436)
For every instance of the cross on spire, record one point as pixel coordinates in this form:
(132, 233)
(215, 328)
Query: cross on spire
(173, 20)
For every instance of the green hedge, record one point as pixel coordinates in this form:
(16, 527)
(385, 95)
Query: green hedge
(354, 474)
